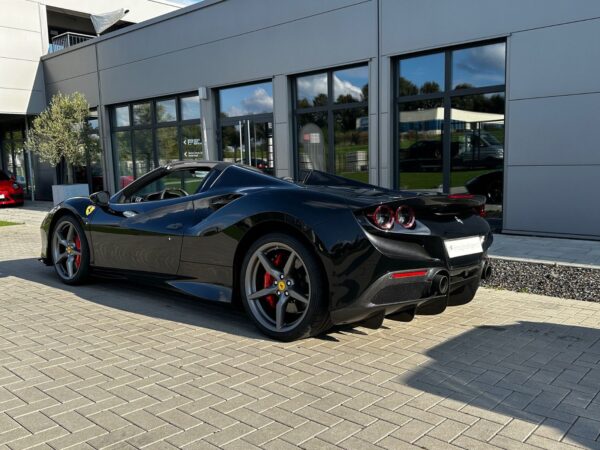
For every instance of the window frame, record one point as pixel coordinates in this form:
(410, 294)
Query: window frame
(331, 107)
(446, 95)
(153, 126)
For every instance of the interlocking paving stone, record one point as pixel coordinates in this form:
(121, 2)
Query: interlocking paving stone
(113, 365)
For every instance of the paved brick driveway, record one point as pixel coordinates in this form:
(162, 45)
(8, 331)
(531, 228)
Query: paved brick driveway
(108, 365)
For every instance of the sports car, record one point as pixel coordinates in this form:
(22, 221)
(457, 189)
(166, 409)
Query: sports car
(299, 256)
(11, 192)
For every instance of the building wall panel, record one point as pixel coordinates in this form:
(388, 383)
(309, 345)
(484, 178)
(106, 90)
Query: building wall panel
(410, 25)
(561, 200)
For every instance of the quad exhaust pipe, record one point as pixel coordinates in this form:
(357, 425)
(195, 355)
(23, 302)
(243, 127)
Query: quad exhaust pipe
(440, 284)
(486, 272)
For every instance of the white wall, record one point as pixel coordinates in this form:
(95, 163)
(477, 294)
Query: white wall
(23, 40)
(21, 79)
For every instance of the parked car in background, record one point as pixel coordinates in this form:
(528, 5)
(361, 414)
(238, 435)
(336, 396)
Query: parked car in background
(481, 149)
(11, 192)
(490, 184)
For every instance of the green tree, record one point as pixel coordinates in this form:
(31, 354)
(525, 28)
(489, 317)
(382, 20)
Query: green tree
(62, 132)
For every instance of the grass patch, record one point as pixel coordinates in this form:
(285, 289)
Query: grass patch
(4, 223)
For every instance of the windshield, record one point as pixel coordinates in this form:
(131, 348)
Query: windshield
(4, 176)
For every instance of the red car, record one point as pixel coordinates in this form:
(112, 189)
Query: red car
(11, 192)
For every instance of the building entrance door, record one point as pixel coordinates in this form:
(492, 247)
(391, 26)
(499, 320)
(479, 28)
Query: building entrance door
(249, 141)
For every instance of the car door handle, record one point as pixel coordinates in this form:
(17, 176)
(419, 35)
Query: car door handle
(129, 214)
(174, 226)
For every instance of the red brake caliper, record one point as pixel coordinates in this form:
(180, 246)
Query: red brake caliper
(268, 280)
(78, 247)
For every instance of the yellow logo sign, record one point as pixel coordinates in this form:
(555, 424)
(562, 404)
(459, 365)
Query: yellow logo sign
(90, 209)
(281, 285)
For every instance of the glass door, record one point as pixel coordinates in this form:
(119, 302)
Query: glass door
(249, 141)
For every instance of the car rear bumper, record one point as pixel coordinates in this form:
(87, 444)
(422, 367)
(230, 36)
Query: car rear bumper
(389, 295)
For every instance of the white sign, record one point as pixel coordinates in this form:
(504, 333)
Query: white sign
(463, 246)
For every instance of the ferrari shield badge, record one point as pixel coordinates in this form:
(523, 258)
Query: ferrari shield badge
(90, 209)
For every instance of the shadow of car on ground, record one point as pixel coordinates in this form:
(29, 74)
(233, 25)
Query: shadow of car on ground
(140, 299)
(538, 372)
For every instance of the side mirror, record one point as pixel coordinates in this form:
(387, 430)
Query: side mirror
(101, 198)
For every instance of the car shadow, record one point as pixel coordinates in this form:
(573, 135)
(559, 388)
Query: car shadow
(140, 299)
(537, 372)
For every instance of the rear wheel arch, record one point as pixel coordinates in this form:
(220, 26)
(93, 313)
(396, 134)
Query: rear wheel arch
(263, 228)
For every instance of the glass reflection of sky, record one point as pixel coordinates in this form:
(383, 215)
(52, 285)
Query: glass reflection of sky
(422, 69)
(351, 82)
(190, 108)
(311, 86)
(479, 66)
(244, 100)
(345, 82)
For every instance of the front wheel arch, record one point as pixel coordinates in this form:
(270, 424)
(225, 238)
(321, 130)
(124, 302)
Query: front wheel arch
(271, 226)
(55, 219)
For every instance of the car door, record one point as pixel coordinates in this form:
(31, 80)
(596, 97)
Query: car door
(143, 235)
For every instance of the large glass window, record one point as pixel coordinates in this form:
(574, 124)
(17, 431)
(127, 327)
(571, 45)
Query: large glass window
(450, 122)
(421, 145)
(155, 132)
(332, 120)
(246, 123)
(90, 170)
(478, 136)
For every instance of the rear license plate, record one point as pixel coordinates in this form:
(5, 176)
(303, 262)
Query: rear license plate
(1, 196)
(463, 246)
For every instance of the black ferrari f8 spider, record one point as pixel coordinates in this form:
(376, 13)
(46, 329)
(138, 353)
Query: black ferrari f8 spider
(300, 257)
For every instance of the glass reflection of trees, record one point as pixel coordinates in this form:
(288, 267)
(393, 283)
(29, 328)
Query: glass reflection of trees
(155, 132)
(451, 121)
(331, 107)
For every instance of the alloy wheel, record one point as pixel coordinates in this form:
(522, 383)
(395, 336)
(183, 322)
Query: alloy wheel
(66, 250)
(277, 286)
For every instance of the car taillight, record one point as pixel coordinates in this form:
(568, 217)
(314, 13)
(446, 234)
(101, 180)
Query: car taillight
(383, 217)
(458, 196)
(405, 216)
(480, 210)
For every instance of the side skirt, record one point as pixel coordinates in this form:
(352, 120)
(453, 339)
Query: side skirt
(182, 285)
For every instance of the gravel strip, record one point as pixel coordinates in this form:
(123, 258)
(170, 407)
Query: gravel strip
(545, 279)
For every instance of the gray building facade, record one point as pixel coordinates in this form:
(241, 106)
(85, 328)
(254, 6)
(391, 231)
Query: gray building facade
(498, 98)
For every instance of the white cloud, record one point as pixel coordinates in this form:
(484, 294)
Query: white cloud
(486, 59)
(260, 101)
(342, 87)
(310, 87)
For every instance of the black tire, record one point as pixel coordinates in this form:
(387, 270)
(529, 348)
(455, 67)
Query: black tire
(316, 317)
(81, 275)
